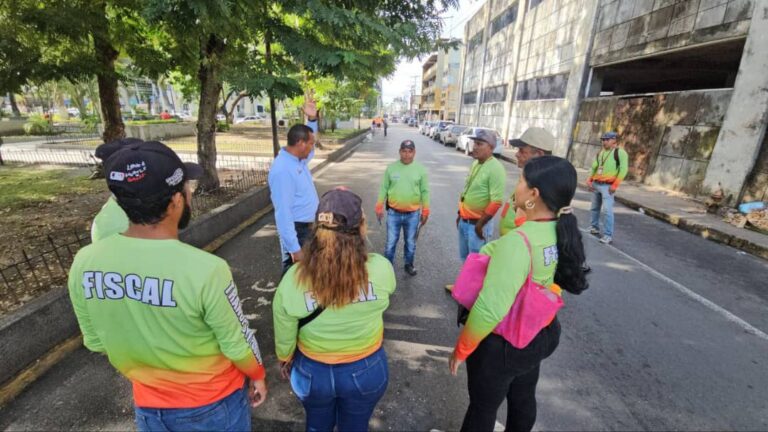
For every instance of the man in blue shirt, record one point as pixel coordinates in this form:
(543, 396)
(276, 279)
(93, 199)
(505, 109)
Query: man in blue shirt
(292, 189)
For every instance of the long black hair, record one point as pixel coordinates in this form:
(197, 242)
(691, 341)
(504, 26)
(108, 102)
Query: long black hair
(555, 178)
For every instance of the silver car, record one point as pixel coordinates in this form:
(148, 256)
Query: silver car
(450, 135)
(465, 144)
(438, 127)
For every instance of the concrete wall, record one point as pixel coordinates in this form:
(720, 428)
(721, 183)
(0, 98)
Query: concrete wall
(670, 137)
(499, 65)
(12, 127)
(756, 187)
(631, 28)
(556, 39)
(158, 131)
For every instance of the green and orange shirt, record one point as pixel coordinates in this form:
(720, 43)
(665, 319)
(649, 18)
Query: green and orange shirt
(507, 271)
(338, 335)
(605, 169)
(404, 188)
(509, 217)
(169, 318)
(483, 189)
(111, 219)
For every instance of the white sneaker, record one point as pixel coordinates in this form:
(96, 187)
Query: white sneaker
(606, 240)
(594, 231)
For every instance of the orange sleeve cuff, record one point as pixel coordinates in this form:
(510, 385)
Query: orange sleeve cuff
(492, 208)
(379, 207)
(425, 211)
(615, 184)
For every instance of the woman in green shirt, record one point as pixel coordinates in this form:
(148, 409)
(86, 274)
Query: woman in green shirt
(327, 314)
(497, 370)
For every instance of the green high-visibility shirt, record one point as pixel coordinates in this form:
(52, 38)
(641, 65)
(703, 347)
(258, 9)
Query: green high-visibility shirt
(404, 188)
(111, 219)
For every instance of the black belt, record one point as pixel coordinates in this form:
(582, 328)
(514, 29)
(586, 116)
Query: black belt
(302, 224)
(602, 182)
(470, 221)
(402, 212)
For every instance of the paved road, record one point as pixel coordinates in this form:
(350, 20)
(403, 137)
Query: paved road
(671, 334)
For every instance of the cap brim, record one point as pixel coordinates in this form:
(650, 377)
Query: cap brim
(194, 171)
(517, 143)
(474, 138)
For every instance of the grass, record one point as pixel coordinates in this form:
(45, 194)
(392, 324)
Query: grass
(23, 186)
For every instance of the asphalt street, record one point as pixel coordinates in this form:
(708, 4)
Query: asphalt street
(671, 335)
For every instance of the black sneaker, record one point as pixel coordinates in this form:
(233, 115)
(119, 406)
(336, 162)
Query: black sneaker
(410, 269)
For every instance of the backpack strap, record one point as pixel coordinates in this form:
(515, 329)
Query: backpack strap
(309, 318)
(530, 253)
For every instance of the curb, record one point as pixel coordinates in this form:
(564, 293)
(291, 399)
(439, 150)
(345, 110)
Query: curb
(53, 313)
(685, 224)
(694, 227)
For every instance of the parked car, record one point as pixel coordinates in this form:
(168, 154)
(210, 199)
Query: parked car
(465, 144)
(412, 122)
(249, 119)
(424, 127)
(437, 128)
(221, 117)
(450, 134)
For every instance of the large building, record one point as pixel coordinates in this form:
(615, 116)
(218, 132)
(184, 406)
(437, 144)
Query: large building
(682, 81)
(440, 86)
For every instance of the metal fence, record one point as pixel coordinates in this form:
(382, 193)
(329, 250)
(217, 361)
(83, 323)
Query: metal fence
(40, 268)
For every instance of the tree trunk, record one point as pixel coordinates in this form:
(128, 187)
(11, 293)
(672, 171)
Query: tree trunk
(272, 114)
(14, 107)
(106, 54)
(210, 87)
(231, 113)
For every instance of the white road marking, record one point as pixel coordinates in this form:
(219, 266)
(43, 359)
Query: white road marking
(749, 328)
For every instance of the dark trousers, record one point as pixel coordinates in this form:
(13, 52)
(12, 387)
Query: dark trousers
(498, 371)
(303, 229)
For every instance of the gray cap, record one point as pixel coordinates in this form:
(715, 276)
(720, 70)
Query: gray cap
(535, 137)
(340, 210)
(486, 135)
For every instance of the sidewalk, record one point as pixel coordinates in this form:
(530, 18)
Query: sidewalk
(681, 212)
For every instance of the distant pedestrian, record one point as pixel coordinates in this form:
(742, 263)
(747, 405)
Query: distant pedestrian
(328, 319)
(533, 143)
(608, 170)
(165, 115)
(292, 188)
(404, 193)
(111, 219)
(548, 249)
(166, 315)
(386, 125)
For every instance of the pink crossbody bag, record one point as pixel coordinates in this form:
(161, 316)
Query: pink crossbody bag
(534, 308)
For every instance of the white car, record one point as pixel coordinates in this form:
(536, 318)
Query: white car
(450, 135)
(465, 144)
(249, 119)
(438, 127)
(424, 127)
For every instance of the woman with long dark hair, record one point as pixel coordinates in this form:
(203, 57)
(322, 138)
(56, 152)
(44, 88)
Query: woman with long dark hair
(497, 370)
(328, 321)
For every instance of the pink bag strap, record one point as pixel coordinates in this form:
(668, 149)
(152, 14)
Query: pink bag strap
(530, 254)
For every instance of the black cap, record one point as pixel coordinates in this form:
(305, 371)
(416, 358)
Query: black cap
(339, 210)
(147, 170)
(408, 144)
(104, 151)
(485, 135)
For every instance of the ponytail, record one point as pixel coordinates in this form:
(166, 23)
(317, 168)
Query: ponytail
(555, 178)
(570, 256)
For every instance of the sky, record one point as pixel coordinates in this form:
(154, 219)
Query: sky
(409, 71)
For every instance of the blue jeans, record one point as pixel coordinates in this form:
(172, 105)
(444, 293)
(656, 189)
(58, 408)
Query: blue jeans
(233, 413)
(469, 241)
(341, 395)
(602, 199)
(409, 224)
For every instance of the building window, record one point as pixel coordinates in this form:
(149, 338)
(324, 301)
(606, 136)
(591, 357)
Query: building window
(470, 97)
(549, 87)
(475, 41)
(534, 3)
(504, 19)
(495, 94)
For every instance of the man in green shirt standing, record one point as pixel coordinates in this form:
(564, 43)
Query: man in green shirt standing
(405, 194)
(166, 314)
(533, 143)
(482, 195)
(111, 218)
(608, 170)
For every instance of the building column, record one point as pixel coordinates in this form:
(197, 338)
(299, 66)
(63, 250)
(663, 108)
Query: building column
(743, 130)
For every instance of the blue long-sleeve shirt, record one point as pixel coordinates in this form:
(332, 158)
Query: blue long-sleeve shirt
(293, 195)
